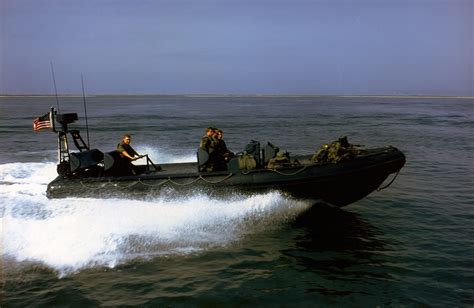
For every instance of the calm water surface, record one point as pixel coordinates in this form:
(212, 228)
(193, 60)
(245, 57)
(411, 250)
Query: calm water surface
(411, 244)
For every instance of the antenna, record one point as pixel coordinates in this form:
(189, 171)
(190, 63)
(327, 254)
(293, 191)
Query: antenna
(85, 111)
(54, 81)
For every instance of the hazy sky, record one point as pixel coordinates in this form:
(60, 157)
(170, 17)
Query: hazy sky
(422, 47)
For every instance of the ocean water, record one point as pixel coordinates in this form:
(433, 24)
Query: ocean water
(408, 245)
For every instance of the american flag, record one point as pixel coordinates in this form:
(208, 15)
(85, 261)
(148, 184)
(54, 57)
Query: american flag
(42, 122)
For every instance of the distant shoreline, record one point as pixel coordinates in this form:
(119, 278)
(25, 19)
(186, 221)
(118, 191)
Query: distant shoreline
(235, 95)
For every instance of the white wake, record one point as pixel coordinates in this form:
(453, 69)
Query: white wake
(76, 233)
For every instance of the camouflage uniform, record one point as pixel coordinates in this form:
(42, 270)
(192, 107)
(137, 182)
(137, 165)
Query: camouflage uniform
(335, 152)
(127, 148)
(208, 144)
(221, 155)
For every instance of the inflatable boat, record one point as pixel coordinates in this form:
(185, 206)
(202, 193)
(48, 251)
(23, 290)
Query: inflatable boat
(338, 180)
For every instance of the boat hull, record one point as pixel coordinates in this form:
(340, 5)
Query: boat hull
(338, 184)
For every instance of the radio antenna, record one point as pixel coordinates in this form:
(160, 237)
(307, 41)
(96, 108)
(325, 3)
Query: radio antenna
(54, 81)
(85, 111)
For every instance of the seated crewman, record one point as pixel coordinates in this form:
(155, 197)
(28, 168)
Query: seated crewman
(207, 144)
(221, 153)
(128, 153)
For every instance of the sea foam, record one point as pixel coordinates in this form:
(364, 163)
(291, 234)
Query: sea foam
(75, 233)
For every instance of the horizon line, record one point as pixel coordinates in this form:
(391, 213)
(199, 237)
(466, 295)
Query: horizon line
(248, 95)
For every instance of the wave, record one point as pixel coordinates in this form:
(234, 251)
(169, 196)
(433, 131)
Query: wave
(160, 156)
(71, 234)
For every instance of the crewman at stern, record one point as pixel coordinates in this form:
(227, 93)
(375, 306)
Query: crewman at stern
(128, 154)
(126, 150)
